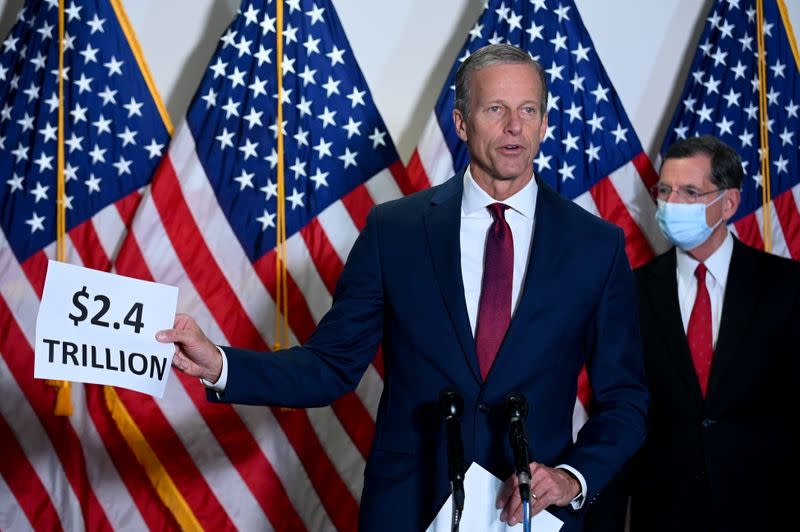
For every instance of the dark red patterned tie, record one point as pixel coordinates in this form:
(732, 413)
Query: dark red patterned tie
(698, 331)
(494, 309)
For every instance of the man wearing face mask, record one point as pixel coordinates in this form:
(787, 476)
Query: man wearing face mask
(721, 334)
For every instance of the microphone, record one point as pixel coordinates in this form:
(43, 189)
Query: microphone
(517, 411)
(451, 405)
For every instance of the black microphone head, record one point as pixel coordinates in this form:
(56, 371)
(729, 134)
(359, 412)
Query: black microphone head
(451, 404)
(516, 405)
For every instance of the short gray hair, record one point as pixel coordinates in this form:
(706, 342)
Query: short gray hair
(493, 54)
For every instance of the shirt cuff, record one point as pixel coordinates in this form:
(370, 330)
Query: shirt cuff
(219, 386)
(580, 498)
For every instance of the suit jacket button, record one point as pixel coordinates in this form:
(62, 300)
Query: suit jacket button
(483, 407)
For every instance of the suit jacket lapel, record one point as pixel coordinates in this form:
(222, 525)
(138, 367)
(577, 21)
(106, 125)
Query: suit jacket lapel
(443, 224)
(738, 305)
(663, 298)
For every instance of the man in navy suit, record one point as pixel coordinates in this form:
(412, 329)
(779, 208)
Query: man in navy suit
(490, 283)
(721, 330)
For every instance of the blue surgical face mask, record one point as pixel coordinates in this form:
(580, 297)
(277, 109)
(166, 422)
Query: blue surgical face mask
(684, 224)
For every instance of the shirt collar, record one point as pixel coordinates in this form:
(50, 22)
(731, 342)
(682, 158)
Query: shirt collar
(475, 199)
(718, 263)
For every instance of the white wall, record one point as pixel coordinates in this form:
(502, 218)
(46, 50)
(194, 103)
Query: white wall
(406, 47)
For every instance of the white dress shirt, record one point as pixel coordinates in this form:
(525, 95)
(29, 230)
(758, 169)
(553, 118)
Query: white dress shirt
(475, 223)
(718, 264)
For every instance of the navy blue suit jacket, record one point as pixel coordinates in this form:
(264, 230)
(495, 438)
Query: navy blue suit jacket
(402, 288)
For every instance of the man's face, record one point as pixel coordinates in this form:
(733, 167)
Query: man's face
(692, 175)
(506, 123)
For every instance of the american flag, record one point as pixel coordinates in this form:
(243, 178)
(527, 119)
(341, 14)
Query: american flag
(590, 153)
(68, 472)
(722, 97)
(209, 227)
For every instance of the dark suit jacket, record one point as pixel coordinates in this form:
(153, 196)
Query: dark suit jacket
(402, 287)
(729, 462)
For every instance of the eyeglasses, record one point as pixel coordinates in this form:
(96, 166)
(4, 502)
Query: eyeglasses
(688, 194)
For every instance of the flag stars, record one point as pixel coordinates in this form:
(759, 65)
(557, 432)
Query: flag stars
(581, 53)
(75, 143)
(724, 126)
(154, 149)
(299, 168)
(96, 24)
(89, 54)
(559, 42)
(270, 189)
(304, 106)
(21, 153)
(477, 32)
(84, 84)
(266, 220)
(502, 12)
(336, 55)
(786, 136)
(274, 129)
(791, 109)
(70, 173)
(102, 124)
(323, 148)
(15, 183)
(620, 134)
(231, 108)
(73, 12)
(36, 222)
(352, 127)
(781, 165)
(593, 152)
(55, 72)
(514, 22)
(245, 179)
(98, 154)
(574, 112)
(290, 34)
(320, 179)
(331, 86)
(746, 138)
(739, 70)
(348, 158)
(123, 166)
(296, 199)
(114, 66)
(237, 77)
(307, 75)
(681, 131)
(108, 95)
(210, 98)
(555, 71)
(251, 15)
(542, 161)
(327, 117)
(243, 46)
(600, 93)
(311, 45)
(719, 57)
(225, 139)
(258, 87)
(596, 122)
(26, 122)
(92, 184)
(301, 136)
(316, 14)
(218, 68)
(253, 118)
(712, 85)
(39, 192)
(570, 142)
(377, 138)
(263, 56)
(79, 113)
(249, 149)
(267, 24)
(747, 42)
(134, 107)
(127, 136)
(732, 98)
(356, 97)
(562, 13)
(726, 30)
(46, 31)
(705, 113)
(566, 171)
(772, 96)
(287, 65)
(229, 38)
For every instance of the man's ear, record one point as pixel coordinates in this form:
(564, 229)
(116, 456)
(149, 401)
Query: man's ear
(461, 124)
(730, 203)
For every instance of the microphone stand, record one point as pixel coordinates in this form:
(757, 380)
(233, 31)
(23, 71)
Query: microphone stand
(517, 410)
(451, 405)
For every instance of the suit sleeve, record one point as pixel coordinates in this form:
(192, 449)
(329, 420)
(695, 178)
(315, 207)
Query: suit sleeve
(333, 360)
(617, 419)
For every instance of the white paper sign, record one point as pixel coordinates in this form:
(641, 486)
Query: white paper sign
(100, 328)
(480, 514)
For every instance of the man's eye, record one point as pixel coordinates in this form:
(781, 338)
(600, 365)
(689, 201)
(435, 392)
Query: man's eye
(690, 193)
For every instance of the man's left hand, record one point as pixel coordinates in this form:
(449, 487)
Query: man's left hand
(548, 486)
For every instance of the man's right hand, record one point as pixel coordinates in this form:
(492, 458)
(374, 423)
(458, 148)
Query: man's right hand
(195, 354)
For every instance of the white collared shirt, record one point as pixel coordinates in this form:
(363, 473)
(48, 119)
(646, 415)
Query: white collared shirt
(475, 223)
(718, 265)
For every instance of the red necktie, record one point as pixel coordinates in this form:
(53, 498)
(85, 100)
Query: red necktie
(698, 331)
(494, 309)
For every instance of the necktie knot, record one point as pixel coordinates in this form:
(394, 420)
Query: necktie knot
(497, 210)
(700, 272)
